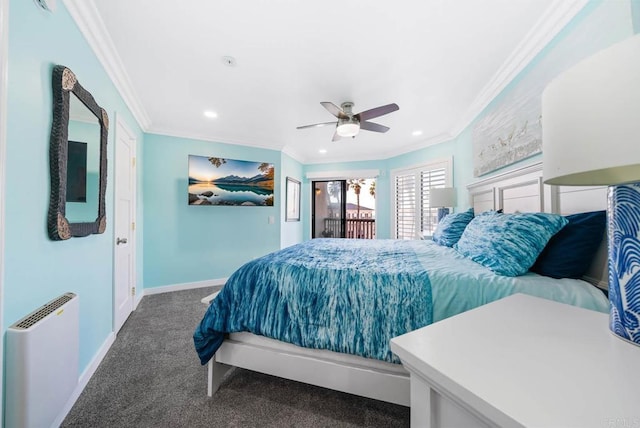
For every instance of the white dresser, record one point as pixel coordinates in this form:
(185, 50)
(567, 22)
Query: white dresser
(522, 361)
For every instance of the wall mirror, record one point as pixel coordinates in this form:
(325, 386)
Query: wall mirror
(78, 160)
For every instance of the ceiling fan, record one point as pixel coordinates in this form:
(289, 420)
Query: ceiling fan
(349, 124)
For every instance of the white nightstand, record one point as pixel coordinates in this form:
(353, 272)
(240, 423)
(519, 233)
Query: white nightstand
(522, 361)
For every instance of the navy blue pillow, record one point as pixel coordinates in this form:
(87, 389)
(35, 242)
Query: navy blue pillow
(570, 251)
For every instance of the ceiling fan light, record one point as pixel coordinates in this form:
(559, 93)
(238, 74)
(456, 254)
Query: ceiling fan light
(348, 129)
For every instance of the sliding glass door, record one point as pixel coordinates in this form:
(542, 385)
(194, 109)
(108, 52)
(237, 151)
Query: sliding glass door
(328, 209)
(343, 208)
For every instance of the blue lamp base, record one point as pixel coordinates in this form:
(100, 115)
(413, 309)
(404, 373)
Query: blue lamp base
(442, 212)
(623, 216)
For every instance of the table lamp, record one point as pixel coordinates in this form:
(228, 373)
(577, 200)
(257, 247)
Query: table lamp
(591, 136)
(442, 198)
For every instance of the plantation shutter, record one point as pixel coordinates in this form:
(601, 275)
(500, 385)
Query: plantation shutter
(405, 190)
(414, 217)
(428, 215)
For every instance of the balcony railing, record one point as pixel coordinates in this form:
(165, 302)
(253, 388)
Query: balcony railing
(354, 228)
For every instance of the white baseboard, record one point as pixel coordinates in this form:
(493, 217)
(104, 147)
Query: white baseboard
(85, 377)
(185, 286)
(97, 359)
(137, 299)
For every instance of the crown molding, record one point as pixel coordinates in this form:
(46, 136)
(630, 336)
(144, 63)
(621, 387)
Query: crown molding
(88, 20)
(555, 18)
(380, 156)
(213, 139)
(292, 154)
(430, 141)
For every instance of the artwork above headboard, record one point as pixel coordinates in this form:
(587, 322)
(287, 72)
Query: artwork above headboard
(522, 190)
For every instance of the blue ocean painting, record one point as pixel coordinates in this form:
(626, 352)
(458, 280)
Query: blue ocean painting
(221, 181)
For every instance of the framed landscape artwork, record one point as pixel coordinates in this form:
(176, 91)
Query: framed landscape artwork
(293, 200)
(230, 182)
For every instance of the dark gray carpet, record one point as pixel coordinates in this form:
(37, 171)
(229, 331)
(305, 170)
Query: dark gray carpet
(151, 377)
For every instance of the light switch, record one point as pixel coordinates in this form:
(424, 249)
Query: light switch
(272, 219)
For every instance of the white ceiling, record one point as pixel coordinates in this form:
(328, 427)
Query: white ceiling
(441, 61)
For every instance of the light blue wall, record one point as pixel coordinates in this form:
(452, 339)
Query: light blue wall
(36, 268)
(291, 231)
(187, 243)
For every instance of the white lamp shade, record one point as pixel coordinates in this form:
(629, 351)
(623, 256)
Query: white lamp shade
(348, 129)
(591, 120)
(442, 197)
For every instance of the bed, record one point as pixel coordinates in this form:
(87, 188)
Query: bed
(350, 352)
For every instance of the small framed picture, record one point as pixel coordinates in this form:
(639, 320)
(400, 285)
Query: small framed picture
(293, 200)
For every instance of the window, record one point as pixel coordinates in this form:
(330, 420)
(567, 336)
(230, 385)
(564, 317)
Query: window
(335, 204)
(414, 217)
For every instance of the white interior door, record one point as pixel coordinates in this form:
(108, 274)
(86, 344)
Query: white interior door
(124, 275)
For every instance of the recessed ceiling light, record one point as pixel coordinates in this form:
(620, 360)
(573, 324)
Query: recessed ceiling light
(210, 114)
(416, 133)
(322, 151)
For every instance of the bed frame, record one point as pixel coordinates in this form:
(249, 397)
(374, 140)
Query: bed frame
(518, 190)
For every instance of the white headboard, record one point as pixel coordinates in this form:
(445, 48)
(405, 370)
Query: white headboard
(523, 190)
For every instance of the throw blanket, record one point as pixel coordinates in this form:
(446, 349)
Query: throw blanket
(349, 296)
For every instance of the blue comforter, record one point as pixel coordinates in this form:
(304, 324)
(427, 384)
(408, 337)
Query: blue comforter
(353, 296)
(349, 296)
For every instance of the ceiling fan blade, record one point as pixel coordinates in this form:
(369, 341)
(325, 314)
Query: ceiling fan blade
(370, 126)
(336, 137)
(316, 125)
(334, 110)
(378, 111)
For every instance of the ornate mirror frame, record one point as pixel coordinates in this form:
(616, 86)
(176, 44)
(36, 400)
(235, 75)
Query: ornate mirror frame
(64, 82)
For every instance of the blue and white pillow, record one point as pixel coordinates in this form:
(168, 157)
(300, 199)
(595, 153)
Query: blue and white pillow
(508, 244)
(450, 228)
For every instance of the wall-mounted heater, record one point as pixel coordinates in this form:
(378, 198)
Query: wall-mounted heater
(42, 363)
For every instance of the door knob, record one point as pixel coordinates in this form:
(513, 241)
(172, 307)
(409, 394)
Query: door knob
(121, 241)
